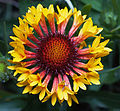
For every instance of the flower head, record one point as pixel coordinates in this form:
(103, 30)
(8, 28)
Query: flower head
(53, 55)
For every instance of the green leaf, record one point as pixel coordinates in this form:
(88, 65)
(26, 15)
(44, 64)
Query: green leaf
(86, 9)
(11, 102)
(115, 29)
(110, 76)
(1, 54)
(15, 105)
(101, 99)
(116, 7)
(5, 37)
(5, 94)
(3, 47)
(109, 99)
(2, 67)
(96, 4)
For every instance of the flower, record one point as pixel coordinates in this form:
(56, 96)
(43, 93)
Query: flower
(41, 55)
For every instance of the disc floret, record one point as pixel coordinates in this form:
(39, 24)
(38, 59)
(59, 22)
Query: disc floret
(54, 54)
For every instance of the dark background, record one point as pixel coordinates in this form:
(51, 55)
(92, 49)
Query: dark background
(105, 97)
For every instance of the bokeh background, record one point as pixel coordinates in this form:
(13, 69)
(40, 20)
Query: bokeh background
(104, 97)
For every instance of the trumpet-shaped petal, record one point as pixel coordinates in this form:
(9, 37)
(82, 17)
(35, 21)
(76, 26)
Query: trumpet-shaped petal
(49, 14)
(79, 81)
(23, 27)
(94, 65)
(78, 20)
(40, 54)
(93, 78)
(89, 30)
(62, 18)
(99, 48)
(34, 15)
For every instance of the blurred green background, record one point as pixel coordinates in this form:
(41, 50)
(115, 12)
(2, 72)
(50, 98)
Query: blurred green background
(105, 97)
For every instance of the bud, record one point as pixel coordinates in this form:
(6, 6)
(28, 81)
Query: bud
(4, 75)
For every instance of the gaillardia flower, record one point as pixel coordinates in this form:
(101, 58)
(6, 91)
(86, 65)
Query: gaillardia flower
(45, 55)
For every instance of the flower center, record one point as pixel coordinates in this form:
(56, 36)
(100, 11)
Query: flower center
(55, 52)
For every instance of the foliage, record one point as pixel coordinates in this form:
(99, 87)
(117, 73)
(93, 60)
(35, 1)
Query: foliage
(106, 14)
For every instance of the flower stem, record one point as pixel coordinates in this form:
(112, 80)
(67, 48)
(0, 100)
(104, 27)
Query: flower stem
(70, 4)
(112, 69)
(115, 29)
(5, 36)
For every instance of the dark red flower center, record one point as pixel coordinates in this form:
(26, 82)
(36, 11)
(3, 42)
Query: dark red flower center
(56, 52)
